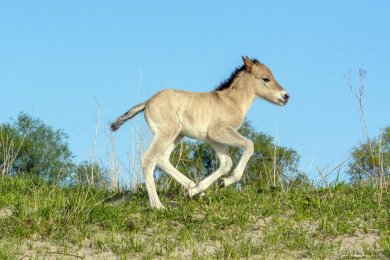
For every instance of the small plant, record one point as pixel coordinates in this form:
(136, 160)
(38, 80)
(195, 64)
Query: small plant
(370, 160)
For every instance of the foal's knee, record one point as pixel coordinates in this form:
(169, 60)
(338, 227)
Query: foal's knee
(249, 147)
(227, 164)
(145, 163)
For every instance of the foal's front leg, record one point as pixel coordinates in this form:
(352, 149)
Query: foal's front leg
(230, 136)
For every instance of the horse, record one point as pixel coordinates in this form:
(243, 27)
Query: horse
(213, 117)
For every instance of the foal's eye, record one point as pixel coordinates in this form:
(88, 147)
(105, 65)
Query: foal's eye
(266, 80)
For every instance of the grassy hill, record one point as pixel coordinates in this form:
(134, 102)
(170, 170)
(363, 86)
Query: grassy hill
(42, 220)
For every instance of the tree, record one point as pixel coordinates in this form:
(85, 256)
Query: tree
(371, 159)
(269, 165)
(87, 173)
(30, 146)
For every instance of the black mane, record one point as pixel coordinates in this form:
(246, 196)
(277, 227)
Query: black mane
(226, 83)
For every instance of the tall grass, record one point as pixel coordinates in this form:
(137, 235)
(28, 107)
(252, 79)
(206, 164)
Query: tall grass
(327, 219)
(377, 175)
(9, 151)
(227, 223)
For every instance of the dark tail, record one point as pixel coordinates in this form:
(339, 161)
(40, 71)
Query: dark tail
(126, 116)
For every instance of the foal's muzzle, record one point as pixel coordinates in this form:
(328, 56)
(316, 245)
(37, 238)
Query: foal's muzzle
(283, 99)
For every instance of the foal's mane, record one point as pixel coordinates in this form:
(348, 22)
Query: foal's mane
(227, 83)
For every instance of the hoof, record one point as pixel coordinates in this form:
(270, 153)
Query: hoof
(221, 183)
(189, 194)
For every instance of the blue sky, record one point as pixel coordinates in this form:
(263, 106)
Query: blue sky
(63, 61)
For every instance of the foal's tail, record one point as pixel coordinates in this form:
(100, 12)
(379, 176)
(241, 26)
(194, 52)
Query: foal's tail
(126, 116)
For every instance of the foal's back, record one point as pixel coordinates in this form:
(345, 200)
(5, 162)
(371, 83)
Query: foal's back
(193, 112)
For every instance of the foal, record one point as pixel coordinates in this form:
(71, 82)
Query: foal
(213, 117)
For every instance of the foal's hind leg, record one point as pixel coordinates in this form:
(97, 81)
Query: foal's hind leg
(149, 160)
(166, 166)
(225, 163)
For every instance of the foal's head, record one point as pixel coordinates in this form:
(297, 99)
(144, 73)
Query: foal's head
(265, 84)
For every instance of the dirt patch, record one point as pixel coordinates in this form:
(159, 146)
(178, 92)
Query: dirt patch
(359, 244)
(5, 213)
(199, 249)
(48, 250)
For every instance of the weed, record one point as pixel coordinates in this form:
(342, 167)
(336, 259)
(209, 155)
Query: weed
(227, 224)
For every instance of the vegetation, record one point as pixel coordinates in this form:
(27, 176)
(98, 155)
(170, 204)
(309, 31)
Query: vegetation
(270, 163)
(56, 208)
(29, 146)
(33, 147)
(37, 218)
(371, 160)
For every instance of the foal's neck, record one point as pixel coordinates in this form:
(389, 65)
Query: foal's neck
(241, 93)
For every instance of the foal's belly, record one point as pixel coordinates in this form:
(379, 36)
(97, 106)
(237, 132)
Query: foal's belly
(194, 130)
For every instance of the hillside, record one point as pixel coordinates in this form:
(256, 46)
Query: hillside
(41, 220)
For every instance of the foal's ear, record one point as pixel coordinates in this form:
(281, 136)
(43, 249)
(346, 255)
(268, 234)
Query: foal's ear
(248, 63)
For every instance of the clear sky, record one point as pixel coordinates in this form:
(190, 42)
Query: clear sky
(63, 61)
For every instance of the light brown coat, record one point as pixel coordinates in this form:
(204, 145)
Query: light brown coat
(213, 117)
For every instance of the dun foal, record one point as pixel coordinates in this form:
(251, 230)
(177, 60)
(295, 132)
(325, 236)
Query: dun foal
(213, 117)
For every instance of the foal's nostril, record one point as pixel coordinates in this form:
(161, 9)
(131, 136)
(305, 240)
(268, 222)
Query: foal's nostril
(286, 96)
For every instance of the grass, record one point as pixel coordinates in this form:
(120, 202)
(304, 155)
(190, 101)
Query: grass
(39, 219)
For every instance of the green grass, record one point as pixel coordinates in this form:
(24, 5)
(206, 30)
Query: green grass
(228, 223)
